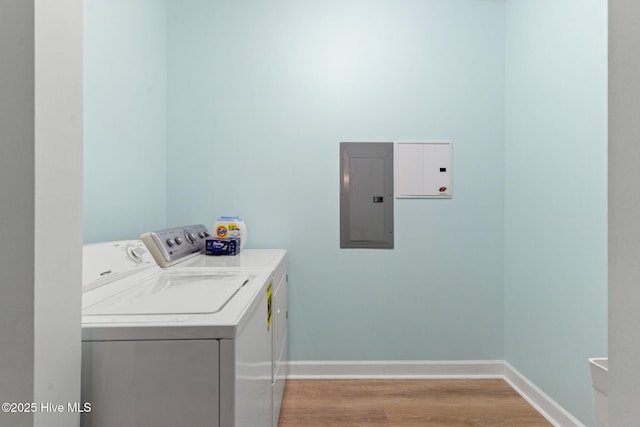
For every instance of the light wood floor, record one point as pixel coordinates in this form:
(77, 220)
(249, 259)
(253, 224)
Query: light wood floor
(356, 403)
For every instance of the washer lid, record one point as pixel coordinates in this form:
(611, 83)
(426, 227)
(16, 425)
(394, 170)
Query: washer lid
(172, 292)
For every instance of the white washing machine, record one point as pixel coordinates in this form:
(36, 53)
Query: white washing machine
(181, 249)
(169, 347)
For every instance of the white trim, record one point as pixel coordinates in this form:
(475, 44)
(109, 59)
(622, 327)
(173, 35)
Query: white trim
(395, 369)
(545, 405)
(419, 369)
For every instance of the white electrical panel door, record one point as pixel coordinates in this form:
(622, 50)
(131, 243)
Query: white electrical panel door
(423, 169)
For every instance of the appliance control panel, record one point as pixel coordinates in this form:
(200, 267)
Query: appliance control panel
(105, 262)
(170, 246)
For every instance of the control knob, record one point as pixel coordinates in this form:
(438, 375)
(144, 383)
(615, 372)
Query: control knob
(136, 254)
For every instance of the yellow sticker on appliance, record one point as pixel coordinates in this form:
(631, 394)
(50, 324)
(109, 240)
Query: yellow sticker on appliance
(269, 313)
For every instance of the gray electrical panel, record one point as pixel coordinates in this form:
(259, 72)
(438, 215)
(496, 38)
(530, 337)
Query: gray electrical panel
(366, 195)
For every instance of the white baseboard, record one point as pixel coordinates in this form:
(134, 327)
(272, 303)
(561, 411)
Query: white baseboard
(396, 369)
(545, 405)
(471, 369)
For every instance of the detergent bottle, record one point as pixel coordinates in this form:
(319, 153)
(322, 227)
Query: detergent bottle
(231, 227)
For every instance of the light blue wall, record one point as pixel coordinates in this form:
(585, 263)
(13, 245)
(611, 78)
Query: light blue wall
(125, 84)
(247, 103)
(260, 96)
(556, 195)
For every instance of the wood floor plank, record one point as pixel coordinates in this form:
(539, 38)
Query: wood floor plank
(405, 403)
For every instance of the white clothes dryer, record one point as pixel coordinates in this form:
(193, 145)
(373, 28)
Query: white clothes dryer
(182, 249)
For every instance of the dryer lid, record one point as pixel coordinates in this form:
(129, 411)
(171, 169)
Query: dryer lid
(247, 258)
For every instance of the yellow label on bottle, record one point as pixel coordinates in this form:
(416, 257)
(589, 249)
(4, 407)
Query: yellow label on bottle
(234, 230)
